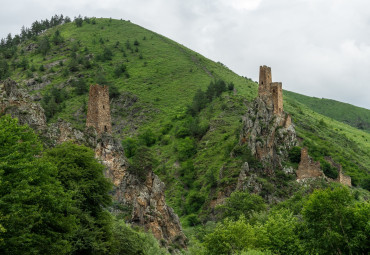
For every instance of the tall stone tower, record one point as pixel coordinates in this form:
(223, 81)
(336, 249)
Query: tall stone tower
(271, 92)
(265, 81)
(98, 112)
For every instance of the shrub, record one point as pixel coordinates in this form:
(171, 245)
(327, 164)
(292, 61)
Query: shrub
(328, 169)
(295, 154)
(119, 69)
(148, 138)
(194, 202)
(241, 203)
(186, 148)
(80, 87)
(142, 163)
(129, 145)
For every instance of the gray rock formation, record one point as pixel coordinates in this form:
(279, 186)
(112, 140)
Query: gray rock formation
(19, 104)
(269, 136)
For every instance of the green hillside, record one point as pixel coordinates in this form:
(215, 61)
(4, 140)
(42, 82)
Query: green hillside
(184, 107)
(153, 80)
(352, 115)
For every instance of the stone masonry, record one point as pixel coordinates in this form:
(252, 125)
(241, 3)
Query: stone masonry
(271, 92)
(307, 167)
(310, 169)
(98, 113)
(343, 179)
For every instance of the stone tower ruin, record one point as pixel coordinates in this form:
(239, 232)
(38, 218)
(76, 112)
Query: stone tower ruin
(272, 92)
(98, 112)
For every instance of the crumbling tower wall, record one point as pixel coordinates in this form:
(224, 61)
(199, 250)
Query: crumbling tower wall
(98, 112)
(307, 167)
(277, 97)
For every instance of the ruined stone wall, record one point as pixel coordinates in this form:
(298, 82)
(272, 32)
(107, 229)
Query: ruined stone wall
(342, 178)
(307, 167)
(98, 113)
(277, 97)
(265, 81)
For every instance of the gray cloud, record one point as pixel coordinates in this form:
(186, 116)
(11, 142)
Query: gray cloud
(315, 47)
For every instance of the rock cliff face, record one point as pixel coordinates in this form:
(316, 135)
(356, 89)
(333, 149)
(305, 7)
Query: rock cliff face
(146, 200)
(269, 136)
(19, 104)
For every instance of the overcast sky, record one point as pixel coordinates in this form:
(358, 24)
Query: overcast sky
(315, 47)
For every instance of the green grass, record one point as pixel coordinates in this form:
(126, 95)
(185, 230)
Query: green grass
(352, 115)
(164, 77)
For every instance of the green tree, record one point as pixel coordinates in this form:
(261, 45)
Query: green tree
(57, 38)
(335, 223)
(199, 102)
(130, 242)
(81, 87)
(78, 21)
(4, 69)
(129, 145)
(241, 203)
(36, 211)
(280, 233)
(44, 45)
(231, 237)
(80, 173)
(142, 163)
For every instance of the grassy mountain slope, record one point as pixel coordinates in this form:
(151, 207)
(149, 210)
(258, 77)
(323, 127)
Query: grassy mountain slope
(352, 115)
(157, 82)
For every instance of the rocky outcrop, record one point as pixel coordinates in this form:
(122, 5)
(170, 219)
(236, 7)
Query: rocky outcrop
(16, 102)
(269, 136)
(145, 198)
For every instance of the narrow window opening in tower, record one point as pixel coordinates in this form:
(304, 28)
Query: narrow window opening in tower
(103, 107)
(105, 129)
(261, 82)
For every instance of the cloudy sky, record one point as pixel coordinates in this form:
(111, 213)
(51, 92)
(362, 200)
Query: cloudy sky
(315, 47)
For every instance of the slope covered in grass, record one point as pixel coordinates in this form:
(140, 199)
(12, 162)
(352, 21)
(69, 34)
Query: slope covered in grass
(153, 80)
(352, 115)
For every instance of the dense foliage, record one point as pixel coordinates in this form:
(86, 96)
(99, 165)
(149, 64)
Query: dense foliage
(332, 221)
(55, 201)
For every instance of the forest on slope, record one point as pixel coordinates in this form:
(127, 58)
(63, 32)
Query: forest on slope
(186, 110)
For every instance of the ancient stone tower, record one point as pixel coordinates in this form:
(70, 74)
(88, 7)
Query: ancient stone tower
(272, 92)
(265, 81)
(98, 112)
